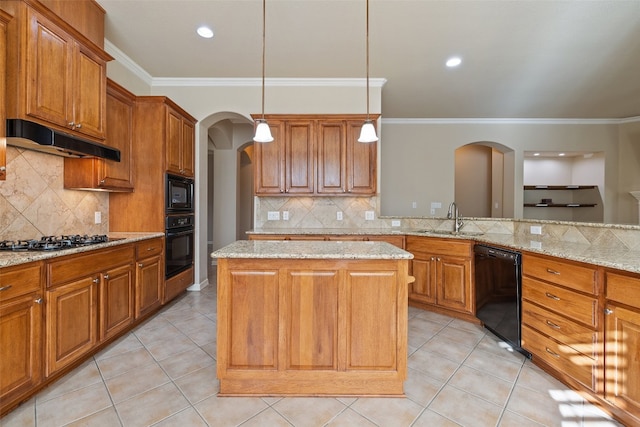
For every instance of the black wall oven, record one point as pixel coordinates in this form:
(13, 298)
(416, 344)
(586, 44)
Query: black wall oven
(179, 239)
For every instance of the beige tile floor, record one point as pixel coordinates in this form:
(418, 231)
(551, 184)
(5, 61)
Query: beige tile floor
(163, 374)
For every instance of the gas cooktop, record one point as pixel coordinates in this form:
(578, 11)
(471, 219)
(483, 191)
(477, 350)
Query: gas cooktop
(52, 243)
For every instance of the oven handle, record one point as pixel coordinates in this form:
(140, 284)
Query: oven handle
(181, 232)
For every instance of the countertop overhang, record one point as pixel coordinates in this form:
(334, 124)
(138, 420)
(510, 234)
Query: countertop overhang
(271, 249)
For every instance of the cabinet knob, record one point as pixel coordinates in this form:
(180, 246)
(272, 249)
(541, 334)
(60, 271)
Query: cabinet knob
(38, 301)
(3, 168)
(72, 124)
(140, 265)
(79, 125)
(96, 280)
(106, 277)
(102, 182)
(608, 311)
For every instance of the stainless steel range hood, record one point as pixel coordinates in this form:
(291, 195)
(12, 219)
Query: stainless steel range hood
(34, 136)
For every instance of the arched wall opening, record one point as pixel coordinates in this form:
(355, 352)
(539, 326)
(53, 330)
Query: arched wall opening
(484, 180)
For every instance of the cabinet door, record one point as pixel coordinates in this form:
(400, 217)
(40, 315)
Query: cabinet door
(454, 283)
(149, 283)
(372, 320)
(424, 288)
(269, 168)
(89, 87)
(312, 299)
(361, 162)
(72, 322)
(621, 358)
(49, 72)
(174, 141)
(3, 73)
(299, 149)
(188, 147)
(120, 136)
(332, 161)
(20, 345)
(116, 301)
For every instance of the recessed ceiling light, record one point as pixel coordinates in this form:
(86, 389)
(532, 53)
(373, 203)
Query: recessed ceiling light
(536, 154)
(205, 32)
(560, 154)
(454, 61)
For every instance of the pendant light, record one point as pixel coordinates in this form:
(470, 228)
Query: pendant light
(263, 133)
(368, 132)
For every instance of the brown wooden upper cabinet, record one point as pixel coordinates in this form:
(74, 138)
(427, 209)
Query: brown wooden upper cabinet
(180, 143)
(315, 155)
(57, 76)
(102, 174)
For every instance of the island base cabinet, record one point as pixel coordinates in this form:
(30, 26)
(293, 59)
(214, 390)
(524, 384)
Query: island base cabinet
(307, 327)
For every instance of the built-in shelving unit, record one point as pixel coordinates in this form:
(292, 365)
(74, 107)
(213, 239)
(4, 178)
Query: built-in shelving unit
(561, 196)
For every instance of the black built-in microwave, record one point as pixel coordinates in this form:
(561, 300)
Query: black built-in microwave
(179, 193)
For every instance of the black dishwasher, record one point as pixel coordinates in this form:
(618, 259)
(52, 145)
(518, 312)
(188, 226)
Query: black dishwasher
(498, 293)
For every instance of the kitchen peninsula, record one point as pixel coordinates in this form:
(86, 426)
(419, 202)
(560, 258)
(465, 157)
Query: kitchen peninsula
(312, 318)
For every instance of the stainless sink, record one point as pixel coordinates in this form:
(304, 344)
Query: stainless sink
(453, 233)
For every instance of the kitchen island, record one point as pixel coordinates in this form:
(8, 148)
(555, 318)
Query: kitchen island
(312, 318)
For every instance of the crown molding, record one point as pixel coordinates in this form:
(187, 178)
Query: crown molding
(127, 62)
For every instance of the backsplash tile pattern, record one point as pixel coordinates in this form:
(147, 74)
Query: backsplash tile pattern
(33, 202)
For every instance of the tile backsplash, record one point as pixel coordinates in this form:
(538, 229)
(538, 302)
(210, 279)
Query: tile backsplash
(33, 202)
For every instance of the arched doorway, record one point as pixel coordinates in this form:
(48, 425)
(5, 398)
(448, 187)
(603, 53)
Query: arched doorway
(484, 180)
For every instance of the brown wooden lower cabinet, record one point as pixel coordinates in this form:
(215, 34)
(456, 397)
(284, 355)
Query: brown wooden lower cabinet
(21, 337)
(149, 276)
(442, 269)
(622, 344)
(116, 300)
(312, 327)
(175, 285)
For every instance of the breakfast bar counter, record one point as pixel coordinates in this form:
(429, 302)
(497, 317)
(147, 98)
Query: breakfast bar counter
(314, 318)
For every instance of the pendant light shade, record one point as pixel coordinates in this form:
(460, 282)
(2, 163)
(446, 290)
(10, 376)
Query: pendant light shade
(368, 132)
(263, 133)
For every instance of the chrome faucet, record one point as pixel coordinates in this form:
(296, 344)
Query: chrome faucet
(455, 215)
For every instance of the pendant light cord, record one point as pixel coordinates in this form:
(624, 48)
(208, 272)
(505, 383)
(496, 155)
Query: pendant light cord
(367, 30)
(264, 21)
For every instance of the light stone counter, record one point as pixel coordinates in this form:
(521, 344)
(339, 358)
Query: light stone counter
(608, 250)
(8, 258)
(310, 250)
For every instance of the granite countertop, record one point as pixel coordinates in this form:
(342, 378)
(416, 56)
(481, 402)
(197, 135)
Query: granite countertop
(614, 256)
(8, 258)
(268, 249)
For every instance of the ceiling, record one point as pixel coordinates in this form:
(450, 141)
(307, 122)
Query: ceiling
(521, 59)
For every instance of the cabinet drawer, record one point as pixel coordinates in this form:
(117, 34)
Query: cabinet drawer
(149, 248)
(563, 358)
(72, 267)
(20, 280)
(624, 289)
(581, 308)
(433, 245)
(578, 277)
(578, 337)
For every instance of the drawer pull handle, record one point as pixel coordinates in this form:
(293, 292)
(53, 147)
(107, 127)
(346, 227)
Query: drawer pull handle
(151, 249)
(553, 325)
(553, 353)
(552, 271)
(552, 296)
(6, 288)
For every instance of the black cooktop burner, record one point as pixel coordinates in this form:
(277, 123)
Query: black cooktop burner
(52, 243)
